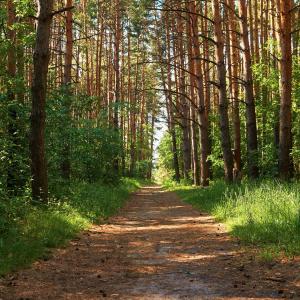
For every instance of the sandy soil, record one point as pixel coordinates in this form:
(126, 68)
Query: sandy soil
(156, 248)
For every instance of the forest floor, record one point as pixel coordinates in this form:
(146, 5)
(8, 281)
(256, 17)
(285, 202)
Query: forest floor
(156, 248)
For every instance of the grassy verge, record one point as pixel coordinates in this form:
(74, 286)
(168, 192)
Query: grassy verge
(264, 213)
(28, 232)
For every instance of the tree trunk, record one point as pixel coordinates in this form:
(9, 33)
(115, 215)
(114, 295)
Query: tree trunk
(117, 63)
(235, 91)
(117, 90)
(41, 58)
(169, 104)
(186, 142)
(249, 94)
(193, 97)
(223, 101)
(12, 172)
(207, 94)
(66, 164)
(202, 106)
(133, 118)
(285, 135)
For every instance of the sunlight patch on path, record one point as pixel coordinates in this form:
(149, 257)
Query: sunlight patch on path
(156, 248)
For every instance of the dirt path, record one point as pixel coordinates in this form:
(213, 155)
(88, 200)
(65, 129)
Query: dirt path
(156, 248)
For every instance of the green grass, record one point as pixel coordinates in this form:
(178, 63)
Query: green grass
(29, 232)
(264, 213)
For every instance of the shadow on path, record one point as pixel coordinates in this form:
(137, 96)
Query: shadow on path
(156, 248)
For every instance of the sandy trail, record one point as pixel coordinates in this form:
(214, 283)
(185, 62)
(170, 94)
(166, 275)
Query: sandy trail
(156, 248)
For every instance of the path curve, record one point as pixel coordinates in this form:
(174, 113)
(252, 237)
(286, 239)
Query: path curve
(156, 248)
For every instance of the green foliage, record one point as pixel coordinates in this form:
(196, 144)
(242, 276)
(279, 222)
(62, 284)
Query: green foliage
(260, 213)
(165, 168)
(268, 77)
(14, 111)
(142, 168)
(24, 8)
(296, 113)
(138, 13)
(216, 157)
(93, 153)
(93, 147)
(27, 232)
(14, 149)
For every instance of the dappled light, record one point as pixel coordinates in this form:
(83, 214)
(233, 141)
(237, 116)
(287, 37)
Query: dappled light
(149, 149)
(156, 248)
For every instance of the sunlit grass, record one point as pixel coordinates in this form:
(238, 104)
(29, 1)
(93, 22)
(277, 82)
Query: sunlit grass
(36, 229)
(264, 213)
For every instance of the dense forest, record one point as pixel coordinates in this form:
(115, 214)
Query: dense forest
(76, 96)
(231, 86)
(87, 86)
(94, 76)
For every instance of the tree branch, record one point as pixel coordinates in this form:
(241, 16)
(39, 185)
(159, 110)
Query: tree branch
(181, 11)
(62, 10)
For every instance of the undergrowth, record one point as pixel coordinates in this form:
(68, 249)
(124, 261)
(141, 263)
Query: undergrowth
(263, 213)
(27, 232)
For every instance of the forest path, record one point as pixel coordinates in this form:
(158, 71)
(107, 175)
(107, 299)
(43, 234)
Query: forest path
(156, 248)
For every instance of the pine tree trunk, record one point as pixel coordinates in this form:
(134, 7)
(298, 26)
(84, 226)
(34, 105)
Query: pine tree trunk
(235, 91)
(186, 141)
(193, 96)
(66, 164)
(169, 104)
(223, 101)
(117, 73)
(202, 106)
(12, 172)
(285, 135)
(249, 94)
(208, 98)
(41, 58)
(133, 118)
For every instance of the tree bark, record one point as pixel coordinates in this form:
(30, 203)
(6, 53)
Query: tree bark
(202, 105)
(41, 58)
(223, 101)
(235, 90)
(12, 172)
(285, 135)
(117, 79)
(186, 141)
(249, 94)
(169, 103)
(66, 164)
(133, 117)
